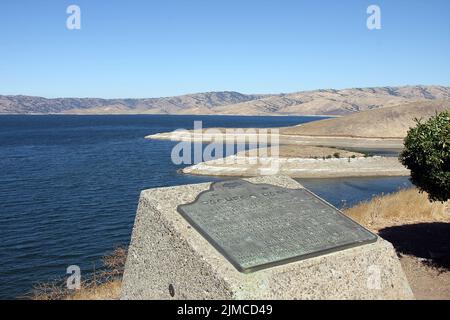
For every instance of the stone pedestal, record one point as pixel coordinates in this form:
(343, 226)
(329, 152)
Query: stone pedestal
(169, 259)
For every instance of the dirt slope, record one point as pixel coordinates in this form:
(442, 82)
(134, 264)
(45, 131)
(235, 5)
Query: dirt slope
(391, 122)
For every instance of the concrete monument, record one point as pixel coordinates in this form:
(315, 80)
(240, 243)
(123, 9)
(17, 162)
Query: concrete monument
(258, 238)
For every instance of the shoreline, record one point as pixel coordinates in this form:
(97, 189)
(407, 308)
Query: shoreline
(300, 156)
(284, 139)
(169, 114)
(236, 166)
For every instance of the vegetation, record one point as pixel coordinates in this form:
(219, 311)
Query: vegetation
(105, 284)
(406, 206)
(427, 155)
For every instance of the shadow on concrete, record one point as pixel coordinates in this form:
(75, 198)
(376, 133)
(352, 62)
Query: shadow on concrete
(430, 241)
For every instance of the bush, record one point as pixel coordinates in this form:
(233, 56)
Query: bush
(427, 155)
(337, 155)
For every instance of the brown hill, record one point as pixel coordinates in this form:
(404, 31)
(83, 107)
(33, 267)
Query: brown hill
(391, 122)
(169, 105)
(317, 102)
(335, 102)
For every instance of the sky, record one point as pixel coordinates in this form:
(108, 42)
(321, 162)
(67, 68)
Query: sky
(137, 48)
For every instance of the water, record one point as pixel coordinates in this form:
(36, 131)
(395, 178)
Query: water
(69, 186)
(378, 152)
(347, 192)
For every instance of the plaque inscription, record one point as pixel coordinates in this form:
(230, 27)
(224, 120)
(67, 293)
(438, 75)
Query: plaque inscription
(256, 226)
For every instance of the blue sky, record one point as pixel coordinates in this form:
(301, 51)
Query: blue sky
(162, 48)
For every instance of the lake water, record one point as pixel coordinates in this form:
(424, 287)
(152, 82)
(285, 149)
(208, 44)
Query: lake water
(69, 186)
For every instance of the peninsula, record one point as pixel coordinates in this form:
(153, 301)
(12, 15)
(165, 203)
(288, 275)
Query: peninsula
(323, 148)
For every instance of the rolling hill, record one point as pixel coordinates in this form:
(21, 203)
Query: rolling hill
(198, 103)
(317, 102)
(390, 122)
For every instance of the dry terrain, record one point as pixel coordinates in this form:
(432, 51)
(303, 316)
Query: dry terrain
(284, 139)
(382, 128)
(300, 162)
(403, 207)
(105, 291)
(335, 102)
(102, 285)
(198, 104)
(420, 233)
(392, 122)
(290, 151)
(316, 102)
(305, 151)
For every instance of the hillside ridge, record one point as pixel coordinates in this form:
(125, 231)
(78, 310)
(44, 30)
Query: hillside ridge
(315, 102)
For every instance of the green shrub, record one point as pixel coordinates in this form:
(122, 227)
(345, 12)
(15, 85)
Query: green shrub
(427, 155)
(337, 155)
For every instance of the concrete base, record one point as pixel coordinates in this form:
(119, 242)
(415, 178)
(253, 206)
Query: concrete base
(169, 259)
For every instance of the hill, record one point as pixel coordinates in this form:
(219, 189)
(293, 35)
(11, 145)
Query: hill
(336, 102)
(196, 103)
(390, 122)
(317, 102)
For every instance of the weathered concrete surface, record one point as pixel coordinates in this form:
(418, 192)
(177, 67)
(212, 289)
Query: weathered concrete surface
(168, 259)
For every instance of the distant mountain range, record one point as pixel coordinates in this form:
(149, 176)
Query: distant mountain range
(317, 102)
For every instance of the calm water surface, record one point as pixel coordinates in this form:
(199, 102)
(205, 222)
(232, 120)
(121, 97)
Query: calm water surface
(69, 186)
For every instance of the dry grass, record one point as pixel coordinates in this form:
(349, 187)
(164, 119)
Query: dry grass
(391, 122)
(105, 291)
(103, 285)
(404, 207)
(295, 151)
(419, 231)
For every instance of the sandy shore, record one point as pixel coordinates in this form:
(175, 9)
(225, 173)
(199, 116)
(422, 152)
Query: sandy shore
(327, 141)
(299, 156)
(300, 167)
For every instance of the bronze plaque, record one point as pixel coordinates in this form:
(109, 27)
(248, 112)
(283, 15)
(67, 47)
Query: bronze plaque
(257, 226)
